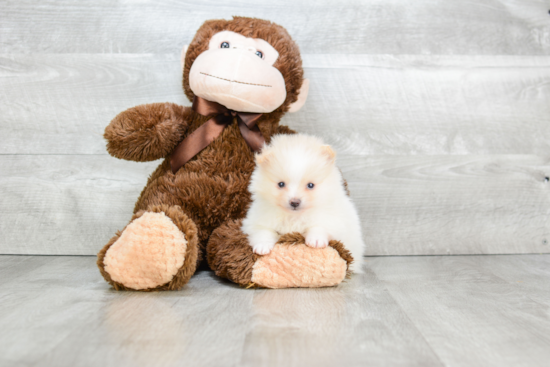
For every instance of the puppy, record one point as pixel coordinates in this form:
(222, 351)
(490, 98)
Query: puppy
(296, 187)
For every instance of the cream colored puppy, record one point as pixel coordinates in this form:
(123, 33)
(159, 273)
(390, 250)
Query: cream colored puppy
(296, 187)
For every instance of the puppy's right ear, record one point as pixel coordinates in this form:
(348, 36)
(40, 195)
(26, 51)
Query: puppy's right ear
(329, 153)
(262, 159)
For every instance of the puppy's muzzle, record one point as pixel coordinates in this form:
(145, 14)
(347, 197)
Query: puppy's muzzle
(295, 203)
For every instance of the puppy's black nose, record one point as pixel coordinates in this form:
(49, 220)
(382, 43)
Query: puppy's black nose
(295, 203)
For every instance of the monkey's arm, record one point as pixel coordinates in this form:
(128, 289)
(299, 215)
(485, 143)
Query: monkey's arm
(147, 132)
(283, 129)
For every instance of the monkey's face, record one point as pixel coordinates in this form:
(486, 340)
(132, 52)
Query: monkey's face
(238, 73)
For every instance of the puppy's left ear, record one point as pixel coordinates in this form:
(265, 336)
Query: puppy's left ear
(262, 159)
(330, 154)
(183, 53)
(302, 96)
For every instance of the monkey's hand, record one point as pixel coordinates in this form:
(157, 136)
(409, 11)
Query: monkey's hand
(147, 132)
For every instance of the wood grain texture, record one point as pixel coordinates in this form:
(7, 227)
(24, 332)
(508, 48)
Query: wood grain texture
(418, 205)
(57, 311)
(404, 311)
(469, 315)
(319, 26)
(61, 104)
(66, 204)
(356, 324)
(361, 104)
(429, 105)
(529, 273)
(439, 111)
(409, 205)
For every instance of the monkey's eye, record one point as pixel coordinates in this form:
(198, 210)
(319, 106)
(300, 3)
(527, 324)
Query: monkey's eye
(281, 184)
(310, 185)
(260, 54)
(224, 45)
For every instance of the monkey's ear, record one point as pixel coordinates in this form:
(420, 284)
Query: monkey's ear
(302, 96)
(183, 52)
(328, 153)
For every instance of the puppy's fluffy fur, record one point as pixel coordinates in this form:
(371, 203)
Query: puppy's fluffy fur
(296, 187)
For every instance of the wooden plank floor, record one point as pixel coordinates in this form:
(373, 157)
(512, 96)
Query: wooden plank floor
(404, 311)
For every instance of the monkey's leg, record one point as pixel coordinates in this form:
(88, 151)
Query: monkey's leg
(157, 250)
(290, 264)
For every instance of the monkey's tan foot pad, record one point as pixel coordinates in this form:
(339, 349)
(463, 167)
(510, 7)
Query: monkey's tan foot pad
(290, 264)
(156, 251)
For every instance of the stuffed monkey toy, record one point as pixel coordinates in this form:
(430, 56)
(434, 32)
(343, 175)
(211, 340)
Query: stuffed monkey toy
(242, 75)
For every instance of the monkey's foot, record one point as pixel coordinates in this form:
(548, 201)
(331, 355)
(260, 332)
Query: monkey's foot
(290, 263)
(157, 250)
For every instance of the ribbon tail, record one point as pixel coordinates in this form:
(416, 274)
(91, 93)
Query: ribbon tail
(195, 142)
(252, 135)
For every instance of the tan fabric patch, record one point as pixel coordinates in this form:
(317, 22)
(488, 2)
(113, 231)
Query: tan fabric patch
(290, 266)
(148, 253)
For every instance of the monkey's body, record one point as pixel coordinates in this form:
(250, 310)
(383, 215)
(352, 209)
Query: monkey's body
(212, 187)
(181, 217)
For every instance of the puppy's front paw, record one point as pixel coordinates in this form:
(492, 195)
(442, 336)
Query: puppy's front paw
(317, 239)
(262, 248)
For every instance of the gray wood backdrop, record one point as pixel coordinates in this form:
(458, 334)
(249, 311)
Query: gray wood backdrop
(440, 112)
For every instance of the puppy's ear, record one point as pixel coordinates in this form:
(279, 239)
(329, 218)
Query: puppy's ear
(262, 159)
(330, 154)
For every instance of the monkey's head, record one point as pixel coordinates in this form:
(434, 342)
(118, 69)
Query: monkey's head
(246, 65)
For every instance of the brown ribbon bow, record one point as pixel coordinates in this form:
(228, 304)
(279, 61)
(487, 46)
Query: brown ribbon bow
(222, 117)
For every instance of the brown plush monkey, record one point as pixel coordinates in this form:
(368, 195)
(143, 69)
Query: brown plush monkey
(242, 76)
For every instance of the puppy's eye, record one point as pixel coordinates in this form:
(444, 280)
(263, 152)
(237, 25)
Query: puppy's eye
(281, 184)
(224, 45)
(310, 185)
(260, 54)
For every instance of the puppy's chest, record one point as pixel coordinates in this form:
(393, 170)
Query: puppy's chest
(288, 224)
